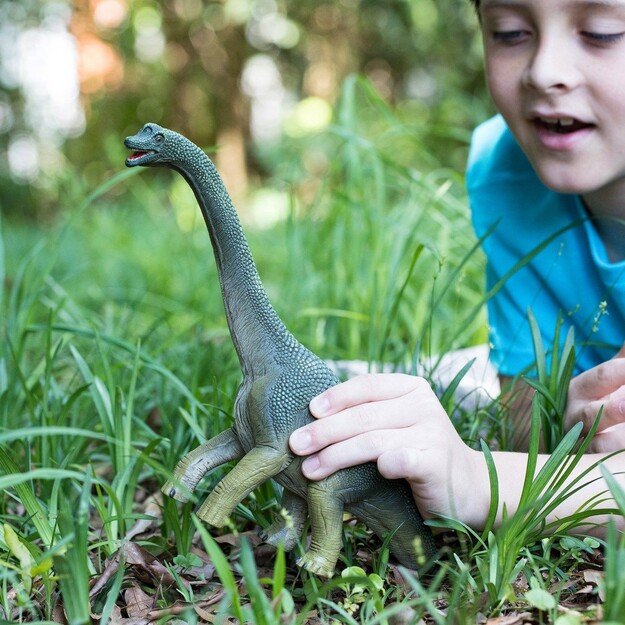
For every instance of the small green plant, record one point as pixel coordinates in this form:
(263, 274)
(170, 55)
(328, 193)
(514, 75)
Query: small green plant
(500, 553)
(356, 592)
(552, 382)
(614, 602)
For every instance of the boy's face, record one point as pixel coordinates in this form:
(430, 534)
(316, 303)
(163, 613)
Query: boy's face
(556, 71)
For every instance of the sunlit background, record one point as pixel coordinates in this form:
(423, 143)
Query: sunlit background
(247, 76)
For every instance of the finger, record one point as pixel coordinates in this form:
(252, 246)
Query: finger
(610, 439)
(602, 379)
(399, 412)
(357, 450)
(612, 407)
(362, 389)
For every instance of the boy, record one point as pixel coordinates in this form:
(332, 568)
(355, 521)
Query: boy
(556, 72)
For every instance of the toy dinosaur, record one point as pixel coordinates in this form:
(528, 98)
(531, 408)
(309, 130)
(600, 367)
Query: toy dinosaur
(280, 377)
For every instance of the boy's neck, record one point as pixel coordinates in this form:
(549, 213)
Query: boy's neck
(609, 213)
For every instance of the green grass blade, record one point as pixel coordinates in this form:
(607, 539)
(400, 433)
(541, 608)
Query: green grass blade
(392, 314)
(494, 490)
(532, 454)
(279, 572)
(618, 494)
(222, 567)
(73, 566)
(128, 347)
(539, 350)
(53, 430)
(261, 607)
(14, 478)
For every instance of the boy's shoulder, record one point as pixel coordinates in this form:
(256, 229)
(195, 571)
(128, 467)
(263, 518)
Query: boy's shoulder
(495, 156)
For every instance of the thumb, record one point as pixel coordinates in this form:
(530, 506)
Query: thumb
(609, 440)
(613, 410)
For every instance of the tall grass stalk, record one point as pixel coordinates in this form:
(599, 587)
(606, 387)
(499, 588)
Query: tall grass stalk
(73, 566)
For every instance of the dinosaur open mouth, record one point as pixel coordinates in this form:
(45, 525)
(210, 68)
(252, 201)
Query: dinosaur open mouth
(140, 154)
(139, 157)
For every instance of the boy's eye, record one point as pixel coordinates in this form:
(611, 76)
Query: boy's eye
(509, 36)
(602, 38)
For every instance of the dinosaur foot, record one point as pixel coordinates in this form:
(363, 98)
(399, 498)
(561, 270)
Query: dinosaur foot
(175, 490)
(317, 564)
(211, 514)
(278, 533)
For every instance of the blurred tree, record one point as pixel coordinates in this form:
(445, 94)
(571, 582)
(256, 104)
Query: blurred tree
(227, 72)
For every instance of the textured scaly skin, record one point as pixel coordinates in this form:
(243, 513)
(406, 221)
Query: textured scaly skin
(280, 377)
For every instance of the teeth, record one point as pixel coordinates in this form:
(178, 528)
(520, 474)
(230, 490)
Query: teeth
(561, 121)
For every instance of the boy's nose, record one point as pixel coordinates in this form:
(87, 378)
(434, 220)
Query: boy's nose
(551, 68)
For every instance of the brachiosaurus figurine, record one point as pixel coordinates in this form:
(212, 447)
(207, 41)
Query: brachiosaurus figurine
(280, 377)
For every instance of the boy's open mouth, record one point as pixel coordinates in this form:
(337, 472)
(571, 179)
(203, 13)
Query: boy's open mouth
(561, 125)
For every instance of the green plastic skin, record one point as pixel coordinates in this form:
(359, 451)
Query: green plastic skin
(280, 377)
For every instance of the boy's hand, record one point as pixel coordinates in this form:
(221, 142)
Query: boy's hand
(603, 385)
(396, 421)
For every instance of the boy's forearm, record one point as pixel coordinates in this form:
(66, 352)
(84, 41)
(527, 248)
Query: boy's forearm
(511, 467)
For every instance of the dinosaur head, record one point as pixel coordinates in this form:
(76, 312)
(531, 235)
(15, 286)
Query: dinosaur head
(152, 146)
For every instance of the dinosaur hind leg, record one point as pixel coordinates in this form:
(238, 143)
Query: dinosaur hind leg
(287, 530)
(325, 506)
(257, 466)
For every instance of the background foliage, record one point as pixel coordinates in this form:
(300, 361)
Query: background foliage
(246, 75)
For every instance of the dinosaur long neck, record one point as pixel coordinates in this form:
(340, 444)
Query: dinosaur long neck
(255, 327)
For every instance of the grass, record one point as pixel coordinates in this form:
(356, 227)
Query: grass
(115, 360)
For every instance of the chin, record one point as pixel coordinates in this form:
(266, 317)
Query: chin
(566, 182)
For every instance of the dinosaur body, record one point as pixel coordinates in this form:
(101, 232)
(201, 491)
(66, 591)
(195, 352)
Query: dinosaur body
(280, 377)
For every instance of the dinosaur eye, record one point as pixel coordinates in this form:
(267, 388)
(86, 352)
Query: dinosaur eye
(159, 138)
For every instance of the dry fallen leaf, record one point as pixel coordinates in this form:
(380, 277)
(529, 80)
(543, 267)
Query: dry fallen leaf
(143, 558)
(153, 506)
(58, 616)
(234, 539)
(514, 618)
(138, 602)
(592, 576)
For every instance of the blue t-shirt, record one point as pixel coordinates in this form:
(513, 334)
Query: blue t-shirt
(571, 275)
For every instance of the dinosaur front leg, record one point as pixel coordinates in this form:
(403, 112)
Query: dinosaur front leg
(256, 467)
(192, 468)
(326, 519)
(287, 530)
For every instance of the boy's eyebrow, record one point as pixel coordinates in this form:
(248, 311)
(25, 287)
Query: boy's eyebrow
(605, 4)
(599, 4)
(489, 4)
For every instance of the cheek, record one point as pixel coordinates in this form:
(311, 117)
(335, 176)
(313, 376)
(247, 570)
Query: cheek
(501, 84)
(612, 98)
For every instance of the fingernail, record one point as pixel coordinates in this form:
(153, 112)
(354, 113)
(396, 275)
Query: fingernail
(320, 405)
(310, 466)
(300, 440)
